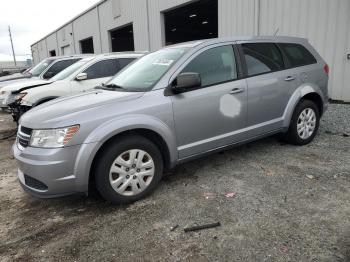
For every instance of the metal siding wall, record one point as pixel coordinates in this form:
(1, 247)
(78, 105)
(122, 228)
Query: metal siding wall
(51, 43)
(131, 12)
(65, 37)
(236, 17)
(325, 23)
(87, 26)
(42, 50)
(346, 84)
(35, 54)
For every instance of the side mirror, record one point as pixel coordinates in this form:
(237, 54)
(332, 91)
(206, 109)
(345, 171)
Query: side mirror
(186, 81)
(81, 76)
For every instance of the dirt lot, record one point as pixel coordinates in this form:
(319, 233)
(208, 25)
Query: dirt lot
(291, 204)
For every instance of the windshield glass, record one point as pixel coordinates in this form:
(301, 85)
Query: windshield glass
(39, 68)
(70, 70)
(145, 72)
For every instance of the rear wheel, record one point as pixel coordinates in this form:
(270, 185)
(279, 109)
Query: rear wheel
(304, 124)
(128, 169)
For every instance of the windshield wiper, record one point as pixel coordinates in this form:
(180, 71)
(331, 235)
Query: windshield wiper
(109, 87)
(113, 86)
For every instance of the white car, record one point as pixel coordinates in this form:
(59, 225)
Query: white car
(79, 77)
(45, 70)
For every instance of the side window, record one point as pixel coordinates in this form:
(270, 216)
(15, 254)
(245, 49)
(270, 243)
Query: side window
(58, 67)
(123, 62)
(104, 68)
(297, 55)
(262, 58)
(214, 66)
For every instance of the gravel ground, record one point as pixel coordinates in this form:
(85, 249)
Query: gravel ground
(291, 204)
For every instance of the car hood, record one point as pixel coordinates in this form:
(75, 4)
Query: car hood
(68, 110)
(9, 82)
(22, 85)
(13, 77)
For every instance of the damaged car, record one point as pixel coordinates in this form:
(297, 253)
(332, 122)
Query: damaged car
(79, 77)
(43, 71)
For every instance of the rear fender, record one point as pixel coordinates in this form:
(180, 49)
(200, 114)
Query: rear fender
(299, 93)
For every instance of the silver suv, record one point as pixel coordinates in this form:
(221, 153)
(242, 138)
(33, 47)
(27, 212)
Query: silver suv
(171, 106)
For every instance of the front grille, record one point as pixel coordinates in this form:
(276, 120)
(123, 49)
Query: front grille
(23, 136)
(26, 130)
(34, 183)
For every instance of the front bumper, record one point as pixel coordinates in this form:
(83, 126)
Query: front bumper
(2, 103)
(17, 110)
(49, 173)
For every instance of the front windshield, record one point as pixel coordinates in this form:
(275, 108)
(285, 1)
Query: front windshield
(70, 70)
(145, 72)
(39, 68)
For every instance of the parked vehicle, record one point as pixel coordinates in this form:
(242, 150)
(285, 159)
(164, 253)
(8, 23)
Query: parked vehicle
(79, 77)
(168, 107)
(46, 69)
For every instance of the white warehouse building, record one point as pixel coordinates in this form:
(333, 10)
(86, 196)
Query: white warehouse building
(122, 25)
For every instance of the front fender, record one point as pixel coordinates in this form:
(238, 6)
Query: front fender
(96, 139)
(50, 91)
(299, 93)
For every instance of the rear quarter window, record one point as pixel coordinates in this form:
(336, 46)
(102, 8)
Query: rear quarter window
(297, 55)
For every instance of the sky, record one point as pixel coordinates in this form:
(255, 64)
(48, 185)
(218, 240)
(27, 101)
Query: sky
(31, 20)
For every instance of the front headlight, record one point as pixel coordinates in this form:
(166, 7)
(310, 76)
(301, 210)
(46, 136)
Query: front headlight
(53, 138)
(20, 96)
(2, 93)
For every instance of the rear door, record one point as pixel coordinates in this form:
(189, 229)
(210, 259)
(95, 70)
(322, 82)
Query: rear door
(270, 86)
(97, 74)
(57, 67)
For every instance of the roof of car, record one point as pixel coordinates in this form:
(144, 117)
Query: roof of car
(68, 56)
(122, 54)
(192, 44)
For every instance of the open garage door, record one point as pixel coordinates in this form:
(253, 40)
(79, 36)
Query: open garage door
(122, 39)
(87, 46)
(198, 20)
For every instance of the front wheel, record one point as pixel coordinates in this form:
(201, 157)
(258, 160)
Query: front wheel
(128, 169)
(304, 124)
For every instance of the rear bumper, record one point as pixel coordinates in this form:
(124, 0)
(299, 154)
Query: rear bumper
(48, 173)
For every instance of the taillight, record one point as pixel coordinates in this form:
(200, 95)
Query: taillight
(326, 69)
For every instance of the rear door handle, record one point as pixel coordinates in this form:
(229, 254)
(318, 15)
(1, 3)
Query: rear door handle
(236, 90)
(289, 78)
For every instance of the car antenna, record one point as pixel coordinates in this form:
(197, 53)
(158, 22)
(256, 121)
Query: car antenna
(276, 32)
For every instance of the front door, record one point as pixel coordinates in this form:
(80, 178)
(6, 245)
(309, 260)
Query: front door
(213, 115)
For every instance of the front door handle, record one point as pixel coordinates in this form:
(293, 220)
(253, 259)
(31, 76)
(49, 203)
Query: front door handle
(236, 90)
(289, 78)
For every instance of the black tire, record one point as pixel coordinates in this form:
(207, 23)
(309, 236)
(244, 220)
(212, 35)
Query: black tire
(108, 156)
(292, 135)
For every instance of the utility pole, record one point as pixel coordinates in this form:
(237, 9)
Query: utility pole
(13, 50)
